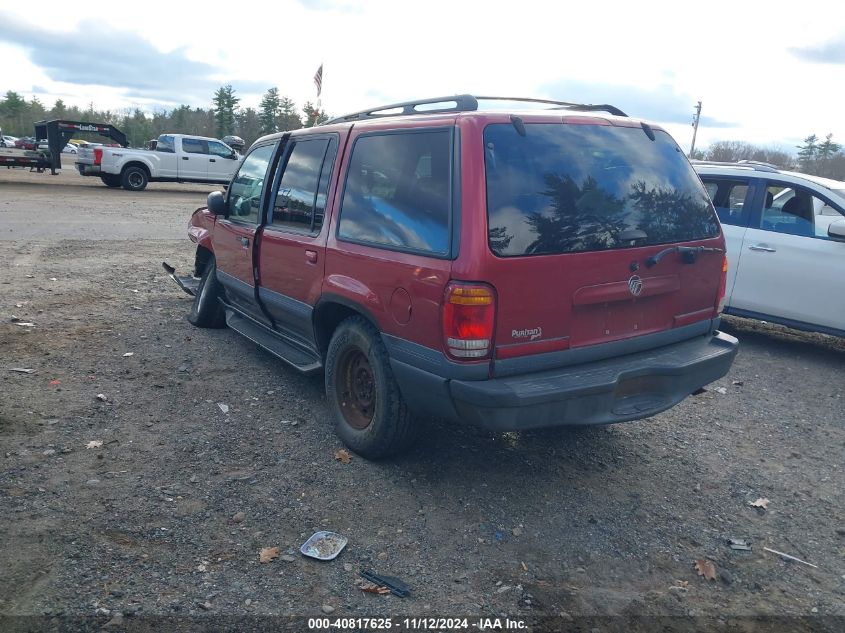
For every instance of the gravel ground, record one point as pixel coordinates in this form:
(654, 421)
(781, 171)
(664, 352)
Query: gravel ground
(128, 492)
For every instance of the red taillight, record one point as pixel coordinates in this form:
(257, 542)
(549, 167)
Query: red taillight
(723, 285)
(469, 312)
(98, 155)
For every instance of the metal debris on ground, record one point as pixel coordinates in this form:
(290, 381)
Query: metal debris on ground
(788, 557)
(22, 370)
(762, 502)
(392, 584)
(223, 407)
(739, 544)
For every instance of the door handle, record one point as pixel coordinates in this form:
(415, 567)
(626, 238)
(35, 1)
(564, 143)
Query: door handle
(762, 247)
(211, 160)
(245, 242)
(311, 257)
(184, 158)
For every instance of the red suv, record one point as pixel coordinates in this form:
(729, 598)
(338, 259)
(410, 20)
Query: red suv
(512, 269)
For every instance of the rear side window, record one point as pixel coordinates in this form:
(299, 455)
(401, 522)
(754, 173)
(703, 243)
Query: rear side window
(300, 199)
(566, 188)
(398, 192)
(731, 199)
(193, 146)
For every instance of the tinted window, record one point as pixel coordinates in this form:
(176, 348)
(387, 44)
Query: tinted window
(567, 188)
(322, 192)
(244, 200)
(297, 193)
(731, 199)
(398, 191)
(193, 146)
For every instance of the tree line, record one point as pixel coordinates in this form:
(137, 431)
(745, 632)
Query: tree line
(814, 156)
(275, 113)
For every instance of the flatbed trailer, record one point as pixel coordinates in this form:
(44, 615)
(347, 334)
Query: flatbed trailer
(57, 133)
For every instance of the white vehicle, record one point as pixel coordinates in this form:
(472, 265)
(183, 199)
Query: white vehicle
(70, 149)
(785, 235)
(176, 158)
(7, 141)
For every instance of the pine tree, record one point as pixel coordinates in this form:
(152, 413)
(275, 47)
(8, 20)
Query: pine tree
(269, 110)
(828, 148)
(225, 105)
(59, 110)
(313, 116)
(288, 118)
(13, 109)
(807, 152)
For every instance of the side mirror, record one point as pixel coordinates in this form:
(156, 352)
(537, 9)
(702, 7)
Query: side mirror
(836, 230)
(217, 203)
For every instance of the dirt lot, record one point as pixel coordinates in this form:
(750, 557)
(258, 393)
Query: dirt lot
(166, 518)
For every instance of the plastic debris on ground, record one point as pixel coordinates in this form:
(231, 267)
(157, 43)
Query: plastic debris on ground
(389, 583)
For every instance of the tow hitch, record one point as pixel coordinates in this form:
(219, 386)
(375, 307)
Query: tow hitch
(187, 283)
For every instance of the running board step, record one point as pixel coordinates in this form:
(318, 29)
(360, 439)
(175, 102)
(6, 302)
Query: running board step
(188, 284)
(303, 360)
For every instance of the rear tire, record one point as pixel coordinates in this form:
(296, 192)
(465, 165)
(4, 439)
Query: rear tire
(111, 180)
(207, 310)
(134, 178)
(370, 414)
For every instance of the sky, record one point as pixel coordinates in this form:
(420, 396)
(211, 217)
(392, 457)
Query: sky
(770, 73)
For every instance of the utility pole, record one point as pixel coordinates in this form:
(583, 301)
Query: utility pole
(695, 127)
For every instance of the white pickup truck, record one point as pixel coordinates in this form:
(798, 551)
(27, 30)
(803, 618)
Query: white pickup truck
(176, 158)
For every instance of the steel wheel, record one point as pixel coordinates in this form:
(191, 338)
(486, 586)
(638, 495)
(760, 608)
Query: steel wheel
(356, 389)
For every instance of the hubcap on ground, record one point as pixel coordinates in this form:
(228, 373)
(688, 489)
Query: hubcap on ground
(356, 389)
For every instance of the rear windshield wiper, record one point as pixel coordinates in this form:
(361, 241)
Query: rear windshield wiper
(689, 253)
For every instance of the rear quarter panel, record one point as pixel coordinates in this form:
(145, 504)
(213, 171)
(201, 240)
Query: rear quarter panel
(401, 292)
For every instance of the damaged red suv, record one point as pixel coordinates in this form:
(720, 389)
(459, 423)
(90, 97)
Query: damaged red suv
(512, 269)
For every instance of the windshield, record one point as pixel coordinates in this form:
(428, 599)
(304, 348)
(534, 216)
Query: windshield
(568, 188)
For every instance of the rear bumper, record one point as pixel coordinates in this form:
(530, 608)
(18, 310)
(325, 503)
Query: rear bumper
(88, 170)
(617, 389)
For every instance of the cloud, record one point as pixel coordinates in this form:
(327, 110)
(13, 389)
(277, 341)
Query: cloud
(661, 104)
(331, 5)
(832, 52)
(91, 55)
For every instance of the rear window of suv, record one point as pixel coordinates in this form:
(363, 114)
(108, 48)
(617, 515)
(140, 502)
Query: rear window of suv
(566, 188)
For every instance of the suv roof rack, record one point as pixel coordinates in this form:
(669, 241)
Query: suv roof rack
(462, 103)
(752, 164)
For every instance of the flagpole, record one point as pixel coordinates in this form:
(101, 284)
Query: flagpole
(318, 81)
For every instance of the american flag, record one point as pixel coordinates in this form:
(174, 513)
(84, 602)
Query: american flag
(318, 80)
